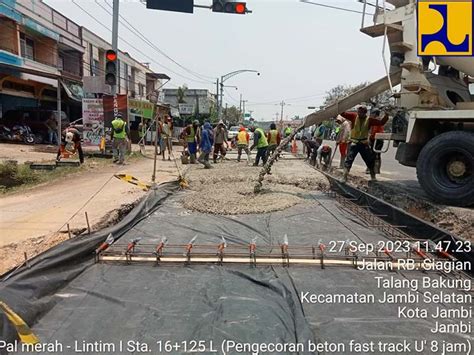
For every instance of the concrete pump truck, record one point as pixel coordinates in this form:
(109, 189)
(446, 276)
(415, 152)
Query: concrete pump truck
(433, 120)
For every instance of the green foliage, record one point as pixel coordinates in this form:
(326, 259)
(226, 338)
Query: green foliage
(12, 174)
(181, 94)
(232, 116)
(340, 91)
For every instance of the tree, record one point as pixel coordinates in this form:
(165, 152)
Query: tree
(232, 115)
(341, 91)
(181, 94)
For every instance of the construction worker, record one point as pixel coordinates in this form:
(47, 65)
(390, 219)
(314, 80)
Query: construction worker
(361, 125)
(323, 160)
(119, 139)
(259, 141)
(243, 140)
(311, 149)
(220, 139)
(343, 137)
(205, 144)
(288, 131)
(191, 134)
(274, 139)
(71, 143)
(166, 133)
(376, 144)
(319, 133)
(141, 132)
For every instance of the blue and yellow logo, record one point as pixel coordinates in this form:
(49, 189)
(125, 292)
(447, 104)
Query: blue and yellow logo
(445, 28)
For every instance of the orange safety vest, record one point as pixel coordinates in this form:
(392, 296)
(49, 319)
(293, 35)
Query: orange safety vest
(242, 138)
(273, 137)
(360, 130)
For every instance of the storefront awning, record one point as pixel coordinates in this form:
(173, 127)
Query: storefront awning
(73, 90)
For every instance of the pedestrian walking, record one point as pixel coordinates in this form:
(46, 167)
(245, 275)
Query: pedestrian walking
(361, 125)
(119, 139)
(243, 140)
(274, 139)
(52, 126)
(259, 141)
(220, 139)
(343, 138)
(206, 143)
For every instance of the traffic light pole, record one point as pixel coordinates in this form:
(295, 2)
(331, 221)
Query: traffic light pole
(115, 24)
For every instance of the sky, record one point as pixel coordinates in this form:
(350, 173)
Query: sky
(301, 50)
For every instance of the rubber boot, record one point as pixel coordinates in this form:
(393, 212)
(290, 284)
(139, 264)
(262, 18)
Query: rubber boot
(373, 177)
(345, 175)
(192, 158)
(341, 164)
(377, 166)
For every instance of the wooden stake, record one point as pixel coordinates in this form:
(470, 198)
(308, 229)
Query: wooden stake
(26, 260)
(88, 225)
(69, 231)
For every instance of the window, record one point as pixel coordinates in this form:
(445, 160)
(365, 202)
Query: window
(95, 67)
(60, 63)
(27, 47)
(141, 90)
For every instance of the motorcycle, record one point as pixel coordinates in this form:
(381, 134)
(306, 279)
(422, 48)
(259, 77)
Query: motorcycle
(19, 133)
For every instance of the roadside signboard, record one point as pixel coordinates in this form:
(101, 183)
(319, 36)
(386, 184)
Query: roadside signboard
(93, 121)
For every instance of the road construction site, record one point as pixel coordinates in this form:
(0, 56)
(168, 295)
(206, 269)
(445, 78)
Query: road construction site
(217, 264)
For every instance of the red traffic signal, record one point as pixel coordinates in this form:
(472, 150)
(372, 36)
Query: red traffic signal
(110, 55)
(229, 7)
(111, 67)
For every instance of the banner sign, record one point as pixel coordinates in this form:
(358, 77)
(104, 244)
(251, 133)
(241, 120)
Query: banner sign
(93, 121)
(112, 106)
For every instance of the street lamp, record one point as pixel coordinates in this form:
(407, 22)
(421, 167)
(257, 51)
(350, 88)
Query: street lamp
(221, 82)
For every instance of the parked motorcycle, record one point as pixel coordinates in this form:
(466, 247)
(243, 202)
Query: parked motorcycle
(18, 133)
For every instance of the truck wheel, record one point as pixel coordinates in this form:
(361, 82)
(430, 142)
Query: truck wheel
(445, 168)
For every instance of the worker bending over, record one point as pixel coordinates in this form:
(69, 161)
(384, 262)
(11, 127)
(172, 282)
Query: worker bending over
(324, 157)
(259, 141)
(311, 149)
(70, 143)
(243, 140)
(361, 125)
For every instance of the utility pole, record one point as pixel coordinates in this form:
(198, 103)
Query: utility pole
(115, 24)
(217, 97)
(282, 104)
(243, 107)
(222, 97)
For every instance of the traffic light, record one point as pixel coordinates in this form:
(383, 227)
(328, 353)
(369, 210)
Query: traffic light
(111, 67)
(229, 7)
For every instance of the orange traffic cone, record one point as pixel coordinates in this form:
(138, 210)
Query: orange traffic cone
(294, 147)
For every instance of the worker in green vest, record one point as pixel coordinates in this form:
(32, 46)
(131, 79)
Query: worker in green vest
(260, 141)
(359, 138)
(141, 132)
(119, 139)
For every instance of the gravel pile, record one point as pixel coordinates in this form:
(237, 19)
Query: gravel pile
(228, 189)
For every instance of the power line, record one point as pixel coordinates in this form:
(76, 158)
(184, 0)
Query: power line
(138, 50)
(333, 7)
(152, 45)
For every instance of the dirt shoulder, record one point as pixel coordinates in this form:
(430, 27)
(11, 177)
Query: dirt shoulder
(34, 219)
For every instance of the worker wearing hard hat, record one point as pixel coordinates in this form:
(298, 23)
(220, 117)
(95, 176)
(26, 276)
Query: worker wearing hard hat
(343, 138)
(323, 160)
(361, 125)
(243, 140)
(259, 141)
(191, 134)
(273, 138)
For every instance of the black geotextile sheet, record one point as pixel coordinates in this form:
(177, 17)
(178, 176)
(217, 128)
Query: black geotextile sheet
(406, 222)
(69, 299)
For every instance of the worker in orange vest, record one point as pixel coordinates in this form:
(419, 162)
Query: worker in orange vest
(376, 144)
(274, 139)
(243, 140)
